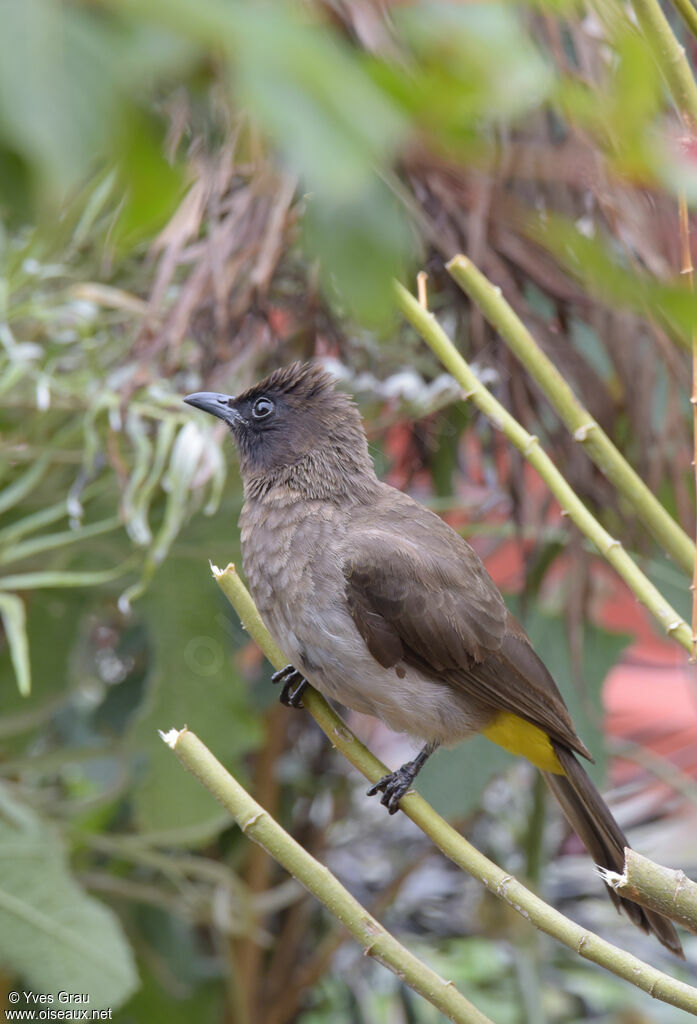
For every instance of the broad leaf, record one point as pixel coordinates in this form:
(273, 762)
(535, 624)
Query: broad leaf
(193, 682)
(52, 934)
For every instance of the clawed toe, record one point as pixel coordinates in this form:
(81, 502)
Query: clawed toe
(294, 684)
(393, 787)
(283, 673)
(292, 693)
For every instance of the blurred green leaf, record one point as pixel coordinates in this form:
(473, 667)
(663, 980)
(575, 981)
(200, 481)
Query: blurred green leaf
(64, 109)
(14, 621)
(314, 97)
(53, 541)
(606, 274)
(151, 185)
(52, 626)
(155, 1001)
(192, 682)
(63, 578)
(456, 79)
(24, 484)
(362, 244)
(137, 500)
(623, 114)
(54, 936)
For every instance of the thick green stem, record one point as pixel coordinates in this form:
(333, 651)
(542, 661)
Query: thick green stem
(670, 57)
(656, 887)
(583, 427)
(453, 845)
(571, 505)
(376, 941)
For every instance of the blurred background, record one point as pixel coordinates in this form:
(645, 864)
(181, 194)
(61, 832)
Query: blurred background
(192, 193)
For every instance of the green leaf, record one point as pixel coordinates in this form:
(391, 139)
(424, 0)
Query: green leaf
(315, 98)
(183, 1001)
(52, 934)
(193, 681)
(460, 50)
(151, 184)
(606, 276)
(24, 484)
(15, 622)
(53, 541)
(362, 244)
(59, 114)
(52, 627)
(63, 578)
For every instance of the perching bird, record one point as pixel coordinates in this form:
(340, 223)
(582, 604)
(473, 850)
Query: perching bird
(383, 607)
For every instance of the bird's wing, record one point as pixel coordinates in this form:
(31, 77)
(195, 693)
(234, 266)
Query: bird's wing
(420, 594)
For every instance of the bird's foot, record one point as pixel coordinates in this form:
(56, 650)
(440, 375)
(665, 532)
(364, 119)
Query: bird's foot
(294, 683)
(395, 785)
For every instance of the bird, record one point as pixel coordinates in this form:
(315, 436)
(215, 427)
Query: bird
(383, 607)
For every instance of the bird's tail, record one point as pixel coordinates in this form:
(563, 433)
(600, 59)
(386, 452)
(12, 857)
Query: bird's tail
(589, 816)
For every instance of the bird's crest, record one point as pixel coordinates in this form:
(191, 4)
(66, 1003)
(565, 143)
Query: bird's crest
(301, 380)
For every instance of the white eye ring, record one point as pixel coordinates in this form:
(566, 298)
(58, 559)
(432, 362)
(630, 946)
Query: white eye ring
(262, 408)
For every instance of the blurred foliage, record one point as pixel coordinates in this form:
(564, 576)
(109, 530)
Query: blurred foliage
(192, 193)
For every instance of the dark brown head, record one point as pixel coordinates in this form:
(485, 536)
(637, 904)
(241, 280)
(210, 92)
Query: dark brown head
(294, 428)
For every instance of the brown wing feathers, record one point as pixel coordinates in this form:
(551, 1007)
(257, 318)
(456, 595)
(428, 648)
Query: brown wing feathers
(445, 616)
(442, 613)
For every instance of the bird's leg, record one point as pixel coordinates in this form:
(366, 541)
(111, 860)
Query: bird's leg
(394, 786)
(294, 683)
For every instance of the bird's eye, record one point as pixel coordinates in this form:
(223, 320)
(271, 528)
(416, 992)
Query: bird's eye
(262, 408)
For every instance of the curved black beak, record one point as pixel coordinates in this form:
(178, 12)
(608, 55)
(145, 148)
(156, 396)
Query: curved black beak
(221, 406)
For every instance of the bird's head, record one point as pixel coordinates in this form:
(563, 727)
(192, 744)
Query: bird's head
(293, 426)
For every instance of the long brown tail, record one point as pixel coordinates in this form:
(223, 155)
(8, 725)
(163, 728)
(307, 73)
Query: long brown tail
(589, 816)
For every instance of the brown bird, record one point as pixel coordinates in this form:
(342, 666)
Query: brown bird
(381, 606)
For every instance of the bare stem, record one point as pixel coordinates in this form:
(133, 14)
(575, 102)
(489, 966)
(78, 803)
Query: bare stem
(670, 57)
(657, 888)
(451, 843)
(376, 941)
(571, 505)
(688, 13)
(687, 270)
(583, 427)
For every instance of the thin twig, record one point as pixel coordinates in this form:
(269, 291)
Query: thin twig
(687, 11)
(579, 421)
(687, 270)
(257, 875)
(286, 1006)
(376, 941)
(451, 843)
(571, 505)
(421, 288)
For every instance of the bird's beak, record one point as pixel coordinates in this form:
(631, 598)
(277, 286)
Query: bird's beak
(221, 406)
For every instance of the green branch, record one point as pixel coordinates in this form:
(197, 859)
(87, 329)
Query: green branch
(656, 887)
(670, 57)
(571, 505)
(451, 843)
(688, 13)
(376, 941)
(583, 427)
